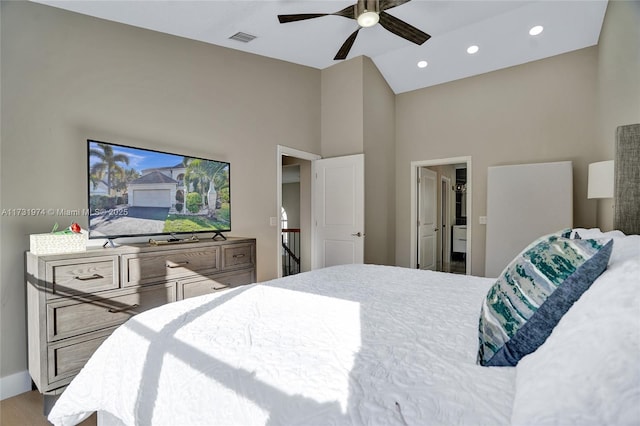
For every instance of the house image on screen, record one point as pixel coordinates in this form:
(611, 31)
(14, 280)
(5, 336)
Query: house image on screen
(157, 187)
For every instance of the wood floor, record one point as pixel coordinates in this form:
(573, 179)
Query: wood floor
(26, 410)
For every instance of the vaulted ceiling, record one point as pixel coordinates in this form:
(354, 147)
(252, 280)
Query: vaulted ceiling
(500, 30)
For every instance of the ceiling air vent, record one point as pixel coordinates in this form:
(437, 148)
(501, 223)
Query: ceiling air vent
(243, 37)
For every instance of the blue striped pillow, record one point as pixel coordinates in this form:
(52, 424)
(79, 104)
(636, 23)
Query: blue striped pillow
(533, 293)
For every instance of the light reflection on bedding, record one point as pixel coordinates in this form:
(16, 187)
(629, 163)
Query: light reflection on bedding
(357, 344)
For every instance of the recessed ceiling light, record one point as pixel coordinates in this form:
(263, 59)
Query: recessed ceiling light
(422, 64)
(536, 30)
(472, 49)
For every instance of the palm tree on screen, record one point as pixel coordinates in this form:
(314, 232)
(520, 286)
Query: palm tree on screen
(108, 163)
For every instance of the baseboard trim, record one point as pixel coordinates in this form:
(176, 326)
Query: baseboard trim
(14, 384)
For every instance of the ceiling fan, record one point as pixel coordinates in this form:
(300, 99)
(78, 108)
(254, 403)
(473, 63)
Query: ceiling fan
(367, 13)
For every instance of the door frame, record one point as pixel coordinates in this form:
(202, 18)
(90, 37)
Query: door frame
(415, 165)
(445, 207)
(283, 151)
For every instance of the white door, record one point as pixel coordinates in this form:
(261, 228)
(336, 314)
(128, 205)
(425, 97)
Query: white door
(339, 207)
(427, 219)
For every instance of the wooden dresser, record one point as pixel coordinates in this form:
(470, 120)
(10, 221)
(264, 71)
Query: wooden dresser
(76, 300)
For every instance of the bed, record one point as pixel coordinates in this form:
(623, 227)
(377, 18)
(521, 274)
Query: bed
(365, 344)
(380, 345)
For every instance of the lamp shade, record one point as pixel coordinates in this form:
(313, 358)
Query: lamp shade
(600, 180)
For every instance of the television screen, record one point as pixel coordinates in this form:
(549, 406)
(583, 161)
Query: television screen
(134, 192)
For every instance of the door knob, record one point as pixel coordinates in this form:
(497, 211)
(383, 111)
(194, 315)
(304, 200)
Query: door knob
(358, 234)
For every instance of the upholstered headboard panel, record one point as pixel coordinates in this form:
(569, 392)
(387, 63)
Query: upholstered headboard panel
(627, 179)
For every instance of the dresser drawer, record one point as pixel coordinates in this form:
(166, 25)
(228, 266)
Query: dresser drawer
(239, 278)
(164, 265)
(73, 317)
(205, 285)
(78, 276)
(76, 300)
(237, 255)
(199, 287)
(65, 360)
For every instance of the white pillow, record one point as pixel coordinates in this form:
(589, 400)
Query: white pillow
(588, 370)
(623, 247)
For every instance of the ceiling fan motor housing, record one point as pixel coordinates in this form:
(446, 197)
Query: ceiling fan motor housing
(367, 12)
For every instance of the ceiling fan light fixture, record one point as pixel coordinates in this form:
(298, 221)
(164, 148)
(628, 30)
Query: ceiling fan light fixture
(368, 13)
(368, 19)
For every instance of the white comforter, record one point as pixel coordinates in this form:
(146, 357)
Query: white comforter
(357, 344)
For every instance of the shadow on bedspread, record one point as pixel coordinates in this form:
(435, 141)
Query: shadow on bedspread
(159, 348)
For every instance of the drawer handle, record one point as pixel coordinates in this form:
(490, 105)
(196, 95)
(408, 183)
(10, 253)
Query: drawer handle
(177, 264)
(126, 308)
(89, 277)
(220, 287)
(236, 256)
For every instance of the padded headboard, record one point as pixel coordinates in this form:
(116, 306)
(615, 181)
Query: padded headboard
(627, 179)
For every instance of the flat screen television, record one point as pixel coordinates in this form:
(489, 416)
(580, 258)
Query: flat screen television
(142, 192)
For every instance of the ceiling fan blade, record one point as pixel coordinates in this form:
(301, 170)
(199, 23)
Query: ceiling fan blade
(346, 46)
(402, 29)
(388, 4)
(299, 17)
(347, 12)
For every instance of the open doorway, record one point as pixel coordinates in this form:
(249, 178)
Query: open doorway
(440, 205)
(290, 232)
(294, 199)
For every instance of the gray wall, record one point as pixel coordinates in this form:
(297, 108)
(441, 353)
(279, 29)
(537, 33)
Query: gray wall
(618, 84)
(538, 112)
(358, 116)
(379, 166)
(562, 108)
(342, 110)
(68, 77)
